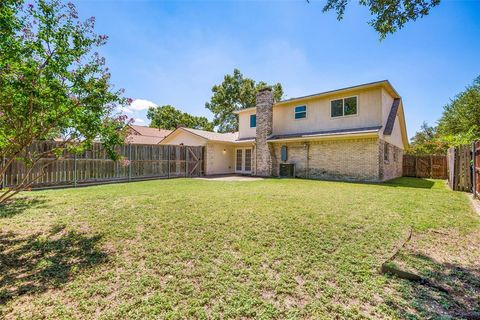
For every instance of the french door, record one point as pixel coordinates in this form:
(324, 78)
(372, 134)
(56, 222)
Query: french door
(243, 160)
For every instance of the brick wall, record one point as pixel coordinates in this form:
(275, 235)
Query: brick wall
(353, 159)
(391, 166)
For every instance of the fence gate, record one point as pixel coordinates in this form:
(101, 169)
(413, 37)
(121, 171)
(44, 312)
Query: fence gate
(425, 166)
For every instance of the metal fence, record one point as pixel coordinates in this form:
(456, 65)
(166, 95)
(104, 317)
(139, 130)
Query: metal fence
(140, 162)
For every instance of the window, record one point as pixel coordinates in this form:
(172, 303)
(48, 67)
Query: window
(386, 150)
(253, 120)
(343, 107)
(283, 153)
(395, 157)
(300, 112)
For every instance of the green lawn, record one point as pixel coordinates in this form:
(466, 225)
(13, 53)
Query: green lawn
(265, 249)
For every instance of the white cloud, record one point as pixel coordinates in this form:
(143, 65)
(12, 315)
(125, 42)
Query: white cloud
(141, 104)
(124, 110)
(139, 120)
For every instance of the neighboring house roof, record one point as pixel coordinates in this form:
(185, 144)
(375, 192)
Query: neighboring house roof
(365, 130)
(146, 135)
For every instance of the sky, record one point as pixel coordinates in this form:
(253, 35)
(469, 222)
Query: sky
(173, 52)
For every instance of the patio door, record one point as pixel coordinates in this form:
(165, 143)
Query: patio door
(243, 160)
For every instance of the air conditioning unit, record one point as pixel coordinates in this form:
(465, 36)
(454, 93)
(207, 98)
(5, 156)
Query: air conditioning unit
(287, 170)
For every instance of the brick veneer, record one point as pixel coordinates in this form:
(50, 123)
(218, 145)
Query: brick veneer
(393, 167)
(353, 159)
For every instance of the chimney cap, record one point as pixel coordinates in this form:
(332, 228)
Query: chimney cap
(268, 88)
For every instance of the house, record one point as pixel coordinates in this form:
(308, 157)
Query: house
(356, 133)
(145, 135)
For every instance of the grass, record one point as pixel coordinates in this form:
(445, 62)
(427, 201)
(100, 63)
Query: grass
(265, 249)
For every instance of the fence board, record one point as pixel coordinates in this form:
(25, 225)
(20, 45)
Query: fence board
(476, 168)
(460, 170)
(94, 166)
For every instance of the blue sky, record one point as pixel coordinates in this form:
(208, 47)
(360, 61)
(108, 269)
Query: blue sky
(170, 52)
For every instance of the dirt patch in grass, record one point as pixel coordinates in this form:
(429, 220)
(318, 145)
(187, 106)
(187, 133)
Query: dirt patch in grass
(449, 262)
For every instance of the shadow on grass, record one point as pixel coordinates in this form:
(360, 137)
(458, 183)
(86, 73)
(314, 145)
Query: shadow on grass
(461, 301)
(407, 182)
(40, 262)
(19, 205)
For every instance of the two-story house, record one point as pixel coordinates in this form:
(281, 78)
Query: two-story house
(355, 133)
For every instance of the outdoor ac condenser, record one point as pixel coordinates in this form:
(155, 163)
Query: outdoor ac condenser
(287, 170)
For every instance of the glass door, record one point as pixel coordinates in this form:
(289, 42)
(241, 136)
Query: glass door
(243, 160)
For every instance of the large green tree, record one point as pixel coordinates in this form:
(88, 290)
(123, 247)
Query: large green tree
(388, 15)
(460, 122)
(427, 141)
(169, 117)
(53, 84)
(234, 93)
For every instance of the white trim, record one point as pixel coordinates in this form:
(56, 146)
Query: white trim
(343, 108)
(243, 151)
(347, 135)
(295, 113)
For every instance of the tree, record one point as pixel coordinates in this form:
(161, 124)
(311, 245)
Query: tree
(234, 93)
(389, 16)
(168, 117)
(52, 85)
(460, 122)
(427, 141)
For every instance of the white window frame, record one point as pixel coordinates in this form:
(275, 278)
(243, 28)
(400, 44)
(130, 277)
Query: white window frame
(295, 113)
(343, 108)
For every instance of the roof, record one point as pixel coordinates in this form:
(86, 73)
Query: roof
(215, 136)
(364, 130)
(151, 132)
(391, 117)
(230, 137)
(146, 135)
(382, 83)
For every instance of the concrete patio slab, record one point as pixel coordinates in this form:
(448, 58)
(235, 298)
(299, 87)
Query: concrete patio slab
(231, 177)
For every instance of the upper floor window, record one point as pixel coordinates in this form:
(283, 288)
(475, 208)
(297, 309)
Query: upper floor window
(300, 112)
(253, 120)
(344, 107)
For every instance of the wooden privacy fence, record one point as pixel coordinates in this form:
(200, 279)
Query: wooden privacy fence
(459, 168)
(429, 166)
(94, 166)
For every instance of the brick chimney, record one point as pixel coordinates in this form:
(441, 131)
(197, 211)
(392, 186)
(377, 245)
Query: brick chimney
(264, 106)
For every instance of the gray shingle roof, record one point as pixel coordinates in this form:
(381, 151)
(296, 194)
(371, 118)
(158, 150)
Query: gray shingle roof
(324, 133)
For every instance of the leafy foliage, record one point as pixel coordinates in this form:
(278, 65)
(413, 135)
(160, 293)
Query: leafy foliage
(388, 15)
(235, 93)
(168, 117)
(460, 122)
(53, 84)
(427, 141)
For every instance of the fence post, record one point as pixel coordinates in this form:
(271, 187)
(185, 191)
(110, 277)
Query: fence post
(74, 170)
(130, 162)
